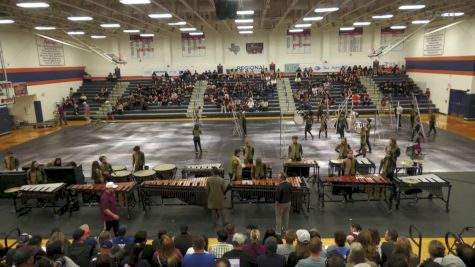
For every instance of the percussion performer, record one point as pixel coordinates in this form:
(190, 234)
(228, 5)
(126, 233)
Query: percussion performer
(55, 163)
(387, 166)
(431, 123)
(248, 152)
(11, 162)
(342, 148)
(368, 132)
(341, 124)
(416, 130)
(108, 208)
(215, 190)
(295, 150)
(258, 171)
(349, 169)
(320, 112)
(417, 149)
(362, 149)
(138, 159)
(196, 137)
(105, 167)
(308, 124)
(323, 126)
(96, 173)
(235, 166)
(36, 174)
(394, 151)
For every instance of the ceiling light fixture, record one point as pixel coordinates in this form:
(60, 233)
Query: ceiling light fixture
(76, 33)
(304, 25)
(135, 2)
(196, 33)
(398, 27)
(245, 27)
(98, 36)
(160, 16)
(187, 29)
(244, 20)
(362, 23)
(312, 18)
(6, 21)
(110, 25)
(423, 21)
(245, 12)
(347, 28)
(131, 31)
(411, 7)
(179, 23)
(80, 18)
(326, 9)
(45, 28)
(33, 4)
(147, 35)
(246, 32)
(387, 16)
(296, 30)
(453, 14)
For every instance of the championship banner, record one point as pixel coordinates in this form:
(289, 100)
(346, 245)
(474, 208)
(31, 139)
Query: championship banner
(193, 45)
(7, 93)
(50, 53)
(141, 47)
(20, 89)
(299, 42)
(350, 41)
(390, 36)
(254, 48)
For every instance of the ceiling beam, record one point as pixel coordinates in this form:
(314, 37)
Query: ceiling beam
(205, 22)
(287, 11)
(264, 13)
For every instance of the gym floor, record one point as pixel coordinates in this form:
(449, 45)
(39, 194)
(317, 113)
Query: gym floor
(448, 154)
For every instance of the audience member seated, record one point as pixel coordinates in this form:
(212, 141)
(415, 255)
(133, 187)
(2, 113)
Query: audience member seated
(340, 245)
(301, 248)
(271, 258)
(427, 92)
(288, 247)
(199, 258)
(245, 259)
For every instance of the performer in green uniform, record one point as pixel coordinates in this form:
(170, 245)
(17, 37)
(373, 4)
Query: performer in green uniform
(138, 159)
(11, 162)
(393, 151)
(363, 138)
(431, 123)
(196, 137)
(368, 132)
(235, 166)
(386, 168)
(343, 148)
(308, 124)
(36, 174)
(320, 111)
(295, 150)
(258, 170)
(323, 126)
(248, 152)
(341, 124)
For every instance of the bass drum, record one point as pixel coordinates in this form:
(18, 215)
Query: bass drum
(298, 118)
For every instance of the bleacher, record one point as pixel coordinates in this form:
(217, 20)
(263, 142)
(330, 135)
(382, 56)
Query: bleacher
(213, 110)
(405, 101)
(89, 89)
(336, 92)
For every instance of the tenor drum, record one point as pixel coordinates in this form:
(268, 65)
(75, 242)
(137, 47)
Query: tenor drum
(116, 168)
(120, 176)
(144, 175)
(165, 171)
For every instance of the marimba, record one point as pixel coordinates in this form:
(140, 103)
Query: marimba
(91, 194)
(190, 191)
(45, 194)
(376, 187)
(201, 170)
(264, 191)
(411, 187)
(302, 168)
(247, 169)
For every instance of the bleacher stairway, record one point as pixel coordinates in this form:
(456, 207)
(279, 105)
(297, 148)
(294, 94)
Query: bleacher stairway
(114, 96)
(197, 97)
(286, 99)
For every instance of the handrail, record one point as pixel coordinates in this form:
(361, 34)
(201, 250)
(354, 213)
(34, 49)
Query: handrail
(413, 230)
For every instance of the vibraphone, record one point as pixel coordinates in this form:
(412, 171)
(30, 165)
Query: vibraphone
(201, 170)
(376, 187)
(91, 194)
(264, 191)
(191, 191)
(363, 166)
(410, 188)
(302, 168)
(44, 193)
(247, 169)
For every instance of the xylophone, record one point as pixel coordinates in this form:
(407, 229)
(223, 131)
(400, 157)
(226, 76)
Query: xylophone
(410, 188)
(91, 193)
(302, 168)
(201, 170)
(363, 166)
(247, 169)
(191, 191)
(44, 193)
(264, 190)
(376, 187)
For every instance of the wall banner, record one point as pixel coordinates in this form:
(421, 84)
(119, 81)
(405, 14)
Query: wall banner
(254, 48)
(434, 43)
(350, 41)
(193, 45)
(389, 36)
(50, 53)
(299, 42)
(141, 47)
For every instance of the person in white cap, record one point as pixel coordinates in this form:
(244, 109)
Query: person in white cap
(301, 249)
(108, 206)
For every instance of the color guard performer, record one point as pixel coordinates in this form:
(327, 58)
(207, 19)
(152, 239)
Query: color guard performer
(308, 124)
(323, 126)
(363, 138)
(138, 159)
(320, 112)
(96, 173)
(341, 124)
(416, 130)
(248, 152)
(386, 168)
(235, 166)
(36, 174)
(258, 170)
(197, 137)
(343, 148)
(368, 132)
(295, 150)
(394, 151)
(431, 123)
(11, 162)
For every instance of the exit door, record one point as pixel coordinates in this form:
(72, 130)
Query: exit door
(456, 102)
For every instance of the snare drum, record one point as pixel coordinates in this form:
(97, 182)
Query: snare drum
(116, 168)
(144, 175)
(165, 171)
(120, 176)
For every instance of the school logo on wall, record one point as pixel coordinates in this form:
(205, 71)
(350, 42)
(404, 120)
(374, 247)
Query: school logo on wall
(234, 48)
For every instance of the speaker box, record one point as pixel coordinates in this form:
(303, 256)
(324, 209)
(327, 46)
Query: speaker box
(231, 9)
(221, 9)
